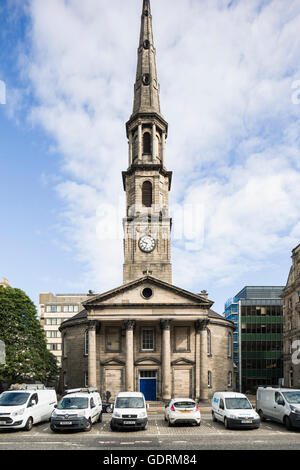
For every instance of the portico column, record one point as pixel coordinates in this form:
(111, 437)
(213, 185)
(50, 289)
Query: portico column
(129, 325)
(166, 359)
(203, 361)
(92, 361)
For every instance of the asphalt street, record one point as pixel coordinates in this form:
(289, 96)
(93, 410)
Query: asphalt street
(158, 436)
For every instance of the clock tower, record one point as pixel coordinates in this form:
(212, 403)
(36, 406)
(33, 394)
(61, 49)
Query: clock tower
(147, 225)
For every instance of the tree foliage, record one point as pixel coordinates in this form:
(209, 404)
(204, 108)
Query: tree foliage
(27, 356)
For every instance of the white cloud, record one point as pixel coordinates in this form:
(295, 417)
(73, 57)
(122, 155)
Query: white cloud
(226, 77)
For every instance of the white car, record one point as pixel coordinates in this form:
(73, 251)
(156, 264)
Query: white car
(130, 411)
(78, 409)
(182, 410)
(25, 405)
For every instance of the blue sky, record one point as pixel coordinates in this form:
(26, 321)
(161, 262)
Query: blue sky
(229, 74)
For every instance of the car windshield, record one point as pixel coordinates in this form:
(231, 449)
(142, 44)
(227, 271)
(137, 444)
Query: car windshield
(73, 403)
(13, 398)
(184, 404)
(237, 404)
(292, 397)
(130, 402)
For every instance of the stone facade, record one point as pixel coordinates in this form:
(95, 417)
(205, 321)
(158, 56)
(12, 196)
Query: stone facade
(291, 329)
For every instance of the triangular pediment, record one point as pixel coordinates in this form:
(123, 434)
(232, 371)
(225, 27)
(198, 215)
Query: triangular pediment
(162, 293)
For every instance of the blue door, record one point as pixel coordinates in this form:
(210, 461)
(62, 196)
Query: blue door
(148, 388)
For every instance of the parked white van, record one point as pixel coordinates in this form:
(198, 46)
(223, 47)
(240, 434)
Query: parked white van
(79, 408)
(130, 411)
(234, 410)
(279, 404)
(25, 405)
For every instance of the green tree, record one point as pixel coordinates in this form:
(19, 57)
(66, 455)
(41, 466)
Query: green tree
(27, 356)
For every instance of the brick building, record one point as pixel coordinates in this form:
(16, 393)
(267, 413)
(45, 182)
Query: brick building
(148, 335)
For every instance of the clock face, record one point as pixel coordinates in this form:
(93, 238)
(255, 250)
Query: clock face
(147, 243)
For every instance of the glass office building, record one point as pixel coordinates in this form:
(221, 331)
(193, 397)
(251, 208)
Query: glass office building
(258, 347)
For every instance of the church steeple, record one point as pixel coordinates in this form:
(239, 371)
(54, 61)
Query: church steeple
(147, 225)
(146, 89)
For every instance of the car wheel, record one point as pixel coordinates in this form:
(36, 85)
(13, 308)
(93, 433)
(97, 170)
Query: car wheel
(261, 415)
(288, 423)
(166, 419)
(29, 424)
(100, 418)
(145, 427)
(109, 409)
(226, 423)
(170, 424)
(213, 416)
(88, 426)
(198, 424)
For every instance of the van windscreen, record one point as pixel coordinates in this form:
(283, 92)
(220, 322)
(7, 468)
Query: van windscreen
(292, 397)
(13, 398)
(73, 403)
(237, 404)
(130, 402)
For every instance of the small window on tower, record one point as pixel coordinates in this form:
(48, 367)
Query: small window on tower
(147, 194)
(146, 44)
(146, 79)
(146, 143)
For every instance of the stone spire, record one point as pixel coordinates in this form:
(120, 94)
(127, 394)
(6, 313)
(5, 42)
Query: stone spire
(146, 89)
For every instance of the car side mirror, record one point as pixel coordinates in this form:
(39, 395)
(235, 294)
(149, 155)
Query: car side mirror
(55, 406)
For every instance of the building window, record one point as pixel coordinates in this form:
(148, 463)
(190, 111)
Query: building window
(146, 143)
(86, 343)
(86, 379)
(75, 308)
(66, 308)
(58, 308)
(208, 343)
(147, 194)
(148, 339)
(209, 379)
(54, 347)
(229, 379)
(48, 308)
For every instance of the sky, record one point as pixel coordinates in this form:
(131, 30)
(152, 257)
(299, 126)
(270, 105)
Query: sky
(229, 73)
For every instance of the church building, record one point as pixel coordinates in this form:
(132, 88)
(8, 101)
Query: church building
(148, 335)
